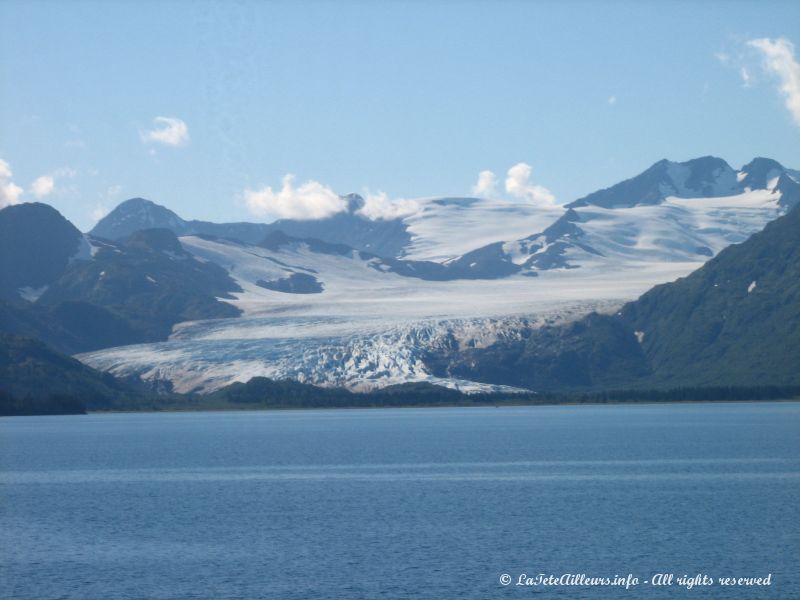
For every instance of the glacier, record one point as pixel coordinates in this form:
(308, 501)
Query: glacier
(371, 326)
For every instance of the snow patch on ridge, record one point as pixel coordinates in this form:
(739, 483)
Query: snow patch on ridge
(31, 294)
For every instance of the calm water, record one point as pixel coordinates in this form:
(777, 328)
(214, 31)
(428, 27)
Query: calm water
(435, 503)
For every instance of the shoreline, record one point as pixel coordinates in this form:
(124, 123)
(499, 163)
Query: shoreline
(266, 395)
(237, 409)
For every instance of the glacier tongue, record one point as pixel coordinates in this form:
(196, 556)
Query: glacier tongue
(204, 356)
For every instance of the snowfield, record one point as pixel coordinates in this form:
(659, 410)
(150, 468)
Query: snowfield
(446, 228)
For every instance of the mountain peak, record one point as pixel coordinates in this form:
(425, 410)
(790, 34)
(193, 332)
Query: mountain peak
(703, 177)
(354, 203)
(36, 244)
(759, 172)
(136, 214)
(707, 162)
(136, 202)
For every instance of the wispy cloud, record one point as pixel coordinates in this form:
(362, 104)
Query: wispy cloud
(612, 100)
(9, 191)
(311, 200)
(169, 131)
(744, 73)
(486, 185)
(98, 212)
(379, 207)
(779, 60)
(519, 185)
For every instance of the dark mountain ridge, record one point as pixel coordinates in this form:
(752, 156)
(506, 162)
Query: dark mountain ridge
(385, 238)
(127, 292)
(36, 246)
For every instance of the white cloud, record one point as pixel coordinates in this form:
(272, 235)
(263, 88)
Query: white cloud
(46, 184)
(722, 57)
(311, 200)
(778, 59)
(170, 131)
(518, 184)
(379, 207)
(43, 186)
(486, 185)
(9, 191)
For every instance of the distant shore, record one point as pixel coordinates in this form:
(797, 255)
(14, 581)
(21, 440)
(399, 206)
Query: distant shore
(265, 394)
(242, 408)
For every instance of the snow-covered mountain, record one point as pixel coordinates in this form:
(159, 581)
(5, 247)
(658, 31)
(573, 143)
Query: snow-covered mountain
(673, 212)
(705, 177)
(137, 214)
(320, 305)
(697, 178)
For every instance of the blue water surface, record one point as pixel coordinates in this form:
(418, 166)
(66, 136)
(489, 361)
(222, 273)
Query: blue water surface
(405, 503)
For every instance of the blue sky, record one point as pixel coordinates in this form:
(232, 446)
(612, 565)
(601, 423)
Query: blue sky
(407, 98)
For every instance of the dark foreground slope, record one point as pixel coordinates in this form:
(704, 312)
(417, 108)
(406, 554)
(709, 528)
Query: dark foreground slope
(736, 321)
(733, 322)
(35, 379)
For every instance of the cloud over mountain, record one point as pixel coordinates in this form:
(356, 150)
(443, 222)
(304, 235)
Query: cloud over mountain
(486, 185)
(519, 185)
(379, 207)
(311, 200)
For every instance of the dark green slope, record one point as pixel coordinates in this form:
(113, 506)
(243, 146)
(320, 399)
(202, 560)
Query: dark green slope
(36, 379)
(596, 352)
(734, 322)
